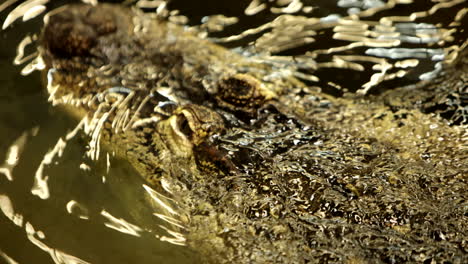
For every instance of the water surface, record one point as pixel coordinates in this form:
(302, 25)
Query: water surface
(70, 209)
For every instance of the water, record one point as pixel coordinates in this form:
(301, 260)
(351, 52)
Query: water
(77, 221)
(88, 212)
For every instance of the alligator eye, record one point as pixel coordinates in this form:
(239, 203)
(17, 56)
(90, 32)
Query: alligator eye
(194, 123)
(183, 126)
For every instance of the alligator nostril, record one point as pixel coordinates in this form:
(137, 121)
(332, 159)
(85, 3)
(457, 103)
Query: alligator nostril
(74, 33)
(66, 36)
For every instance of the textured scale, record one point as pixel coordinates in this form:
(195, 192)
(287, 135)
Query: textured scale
(333, 132)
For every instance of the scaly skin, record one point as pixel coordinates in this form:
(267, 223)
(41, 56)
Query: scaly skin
(95, 50)
(267, 170)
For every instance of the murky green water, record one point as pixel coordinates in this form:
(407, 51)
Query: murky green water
(78, 222)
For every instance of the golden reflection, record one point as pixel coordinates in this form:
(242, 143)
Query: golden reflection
(33, 12)
(169, 208)
(6, 206)
(13, 155)
(40, 187)
(7, 4)
(7, 258)
(36, 237)
(121, 225)
(74, 208)
(20, 59)
(149, 3)
(176, 239)
(58, 256)
(27, 10)
(255, 7)
(161, 200)
(293, 6)
(85, 167)
(170, 220)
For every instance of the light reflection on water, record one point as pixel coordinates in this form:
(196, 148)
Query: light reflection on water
(83, 220)
(56, 206)
(81, 210)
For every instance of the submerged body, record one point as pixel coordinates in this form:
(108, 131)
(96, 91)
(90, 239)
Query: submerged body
(267, 169)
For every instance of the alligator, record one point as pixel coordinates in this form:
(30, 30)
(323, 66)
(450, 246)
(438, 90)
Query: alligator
(265, 167)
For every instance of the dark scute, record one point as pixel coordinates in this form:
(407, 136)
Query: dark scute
(235, 90)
